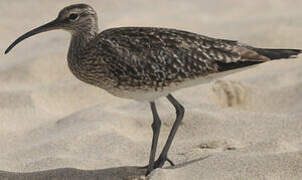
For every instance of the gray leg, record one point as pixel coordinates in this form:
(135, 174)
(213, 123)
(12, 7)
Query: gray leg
(179, 116)
(156, 129)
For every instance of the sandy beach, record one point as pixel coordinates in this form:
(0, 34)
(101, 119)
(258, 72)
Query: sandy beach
(246, 125)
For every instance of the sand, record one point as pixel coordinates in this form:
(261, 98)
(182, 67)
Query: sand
(246, 125)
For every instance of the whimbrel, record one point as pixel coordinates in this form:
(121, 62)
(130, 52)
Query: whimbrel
(146, 63)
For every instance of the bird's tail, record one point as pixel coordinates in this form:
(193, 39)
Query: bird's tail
(266, 54)
(278, 53)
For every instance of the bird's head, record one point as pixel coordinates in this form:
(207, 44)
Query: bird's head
(76, 19)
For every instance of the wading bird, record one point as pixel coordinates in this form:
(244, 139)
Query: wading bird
(146, 63)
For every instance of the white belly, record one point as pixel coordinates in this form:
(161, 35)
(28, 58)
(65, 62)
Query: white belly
(150, 94)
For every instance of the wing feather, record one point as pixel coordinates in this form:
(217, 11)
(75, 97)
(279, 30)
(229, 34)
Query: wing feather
(142, 56)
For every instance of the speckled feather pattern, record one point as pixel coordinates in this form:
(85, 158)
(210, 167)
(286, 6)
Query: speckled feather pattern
(144, 57)
(127, 60)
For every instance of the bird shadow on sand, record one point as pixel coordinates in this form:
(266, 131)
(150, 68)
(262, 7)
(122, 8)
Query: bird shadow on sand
(116, 173)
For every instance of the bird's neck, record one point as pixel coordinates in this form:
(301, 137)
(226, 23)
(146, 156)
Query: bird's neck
(79, 46)
(79, 41)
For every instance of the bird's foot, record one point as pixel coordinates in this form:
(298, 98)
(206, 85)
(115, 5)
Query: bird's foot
(159, 163)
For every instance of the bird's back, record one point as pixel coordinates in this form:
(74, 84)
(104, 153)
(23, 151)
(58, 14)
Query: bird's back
(154, 59)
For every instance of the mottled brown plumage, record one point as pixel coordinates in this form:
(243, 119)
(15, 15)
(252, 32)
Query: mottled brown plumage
(145, 63)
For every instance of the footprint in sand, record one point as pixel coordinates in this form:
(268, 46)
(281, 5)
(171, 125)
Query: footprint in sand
(230, 93)
(218, 145)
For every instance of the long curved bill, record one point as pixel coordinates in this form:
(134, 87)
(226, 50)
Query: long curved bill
(46, 27)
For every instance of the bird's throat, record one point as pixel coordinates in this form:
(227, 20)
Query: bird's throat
(78, 44)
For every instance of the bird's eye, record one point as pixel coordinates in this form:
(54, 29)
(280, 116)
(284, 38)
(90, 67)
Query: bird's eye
(73, 16)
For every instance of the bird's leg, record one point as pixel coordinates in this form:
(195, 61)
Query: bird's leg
(163, 157)
(156, 129)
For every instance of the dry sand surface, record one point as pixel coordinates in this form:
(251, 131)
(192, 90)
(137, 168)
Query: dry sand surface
(247, 125)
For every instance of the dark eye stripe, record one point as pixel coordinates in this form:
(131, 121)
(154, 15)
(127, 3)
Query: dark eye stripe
(73, 16)
(83, 14)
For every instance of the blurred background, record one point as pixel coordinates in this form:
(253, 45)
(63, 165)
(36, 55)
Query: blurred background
(49, 119)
